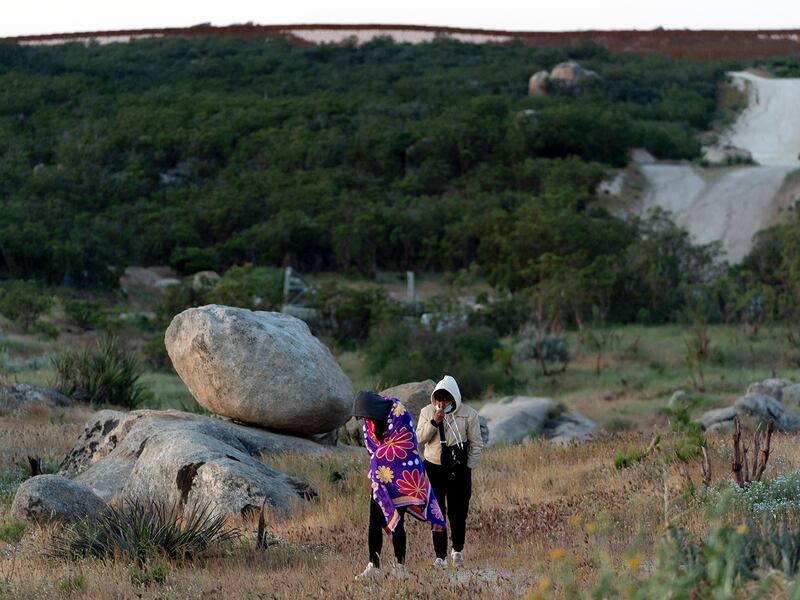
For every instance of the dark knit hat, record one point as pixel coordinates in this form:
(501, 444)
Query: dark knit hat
(370, 405)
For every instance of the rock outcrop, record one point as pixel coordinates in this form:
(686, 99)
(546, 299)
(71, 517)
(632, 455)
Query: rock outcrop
(571, 73)
(47, 498)
(17, 396)
(567, 73)
(185, 459)
(518, 419)
(768, 400)
(261, 368)
(537, 84)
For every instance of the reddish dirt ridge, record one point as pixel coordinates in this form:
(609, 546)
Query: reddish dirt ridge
(702, 44)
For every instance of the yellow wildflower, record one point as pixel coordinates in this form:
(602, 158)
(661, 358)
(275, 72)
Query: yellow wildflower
(557, 553)
(544, 584)
(385, 474)
(590, 527)
(741, 529)
(633, 563)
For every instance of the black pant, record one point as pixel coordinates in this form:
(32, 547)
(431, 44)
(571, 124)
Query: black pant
(453, 491)
(376, 524)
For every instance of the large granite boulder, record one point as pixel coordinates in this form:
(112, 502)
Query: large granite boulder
(185, 459)
(518, 419)
(262, 368)
(571, 73)
(47, 498)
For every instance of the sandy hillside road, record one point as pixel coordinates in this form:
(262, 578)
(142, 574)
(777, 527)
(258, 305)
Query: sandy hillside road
(770, 125)
(734, 207)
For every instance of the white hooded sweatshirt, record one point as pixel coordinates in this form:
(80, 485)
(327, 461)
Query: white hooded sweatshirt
(460, 426)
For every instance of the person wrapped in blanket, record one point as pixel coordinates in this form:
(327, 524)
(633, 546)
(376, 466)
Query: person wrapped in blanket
(398, 482)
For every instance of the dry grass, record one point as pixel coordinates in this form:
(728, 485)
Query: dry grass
(537, 511)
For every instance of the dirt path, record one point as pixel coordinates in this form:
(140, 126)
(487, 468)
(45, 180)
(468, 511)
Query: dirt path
(735, 206)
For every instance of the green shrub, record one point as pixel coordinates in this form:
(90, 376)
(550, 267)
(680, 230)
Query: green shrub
(246, 286)
(176, 299)
(627, 458)
(148, 575)
(506, 315)
(399, 353)
(10, 479)
(72, 583)
(23, 302)
(155, 353)
(553, 346)
(349, 314)
(102, 374)
(187, 261)
(778, 497)
(139, 530)
(86, 315)
(11, 532)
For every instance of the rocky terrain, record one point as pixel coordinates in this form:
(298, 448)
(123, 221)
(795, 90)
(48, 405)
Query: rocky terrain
(272, 388)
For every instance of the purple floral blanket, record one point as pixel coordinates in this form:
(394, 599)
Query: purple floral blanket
(396, 472)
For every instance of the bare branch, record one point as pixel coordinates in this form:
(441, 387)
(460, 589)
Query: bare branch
(765, 451)
(736, 466)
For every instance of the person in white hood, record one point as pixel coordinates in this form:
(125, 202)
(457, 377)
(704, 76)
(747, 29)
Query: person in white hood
(451, 436)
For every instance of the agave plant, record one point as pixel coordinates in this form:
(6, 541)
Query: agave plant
(106, 374)
(138, 530)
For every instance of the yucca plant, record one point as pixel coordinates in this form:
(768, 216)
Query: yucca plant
(104, 374)
(138, 530)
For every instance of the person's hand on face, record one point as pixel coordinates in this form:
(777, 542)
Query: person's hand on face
(441, 407)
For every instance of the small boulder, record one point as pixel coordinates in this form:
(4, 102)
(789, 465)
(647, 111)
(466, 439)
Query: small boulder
(17, 396)
(722, 155)
(537, 84)
(769, 387)
(514, 419)
(47, 498)
(790, 395)
(716, 416)
(764, 408)
(257, 367)
(203, 280)
(414, 396)
(484, 425)
(680, 399)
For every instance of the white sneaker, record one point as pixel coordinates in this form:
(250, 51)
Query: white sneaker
(399, 571)
(440, 563)
(371, 572)
(458, 559)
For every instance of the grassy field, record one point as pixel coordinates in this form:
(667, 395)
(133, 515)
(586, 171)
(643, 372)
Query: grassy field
(546, 521)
